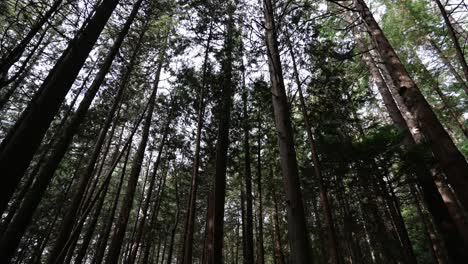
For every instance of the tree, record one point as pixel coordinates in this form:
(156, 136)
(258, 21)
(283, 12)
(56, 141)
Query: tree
(297, 229)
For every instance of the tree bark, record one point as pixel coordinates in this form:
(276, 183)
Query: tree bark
(395, 212)
(435, 244)
(327, 213)
(278, 246)
(20, 144)
(215, 237)
(446, 153)
(297, 228)
(102, 242)
(433, 199)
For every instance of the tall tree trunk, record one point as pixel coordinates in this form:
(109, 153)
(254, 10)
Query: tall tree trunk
(260, 246)
(102, 242)
(318, 229)
(7, 61)
(150, 232)
(445, 194)
(447, 106)
(327, 213)
(446, 153)
(20, 144)
(187, 248)
(141, 226)
(88, 172)
(215, 252)
(244, 224)
(81, 254)
(453, 37)
(126, 206)
(349, 223)
(278, 245)
(388, 246)
(249, 242)
(128, 247)
(176, 223)
(435, 245)
(395, 213)
(297, 228)
(87, 235)
(47, 170)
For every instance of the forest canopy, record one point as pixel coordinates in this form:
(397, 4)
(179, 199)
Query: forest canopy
(237, 131)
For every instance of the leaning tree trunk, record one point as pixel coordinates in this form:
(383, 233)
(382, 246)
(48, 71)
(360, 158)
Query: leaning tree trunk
(458, 28)
(102, 242)
(122, 220)
(453, 37)
(435, 244)
(12, 57)
(20, 144)
(446, 153)
(433, 199)
(176, 223)
(215, 237)
(297, 228)
(88, 172)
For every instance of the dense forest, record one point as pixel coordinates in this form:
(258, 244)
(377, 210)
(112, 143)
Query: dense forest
(235, 131)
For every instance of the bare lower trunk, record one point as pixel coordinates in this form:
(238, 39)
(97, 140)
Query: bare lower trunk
(435, 245)
(215, 237)
(102, 242)
(278, 247)
(297, 228)
(456, 116)
(260, 246)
